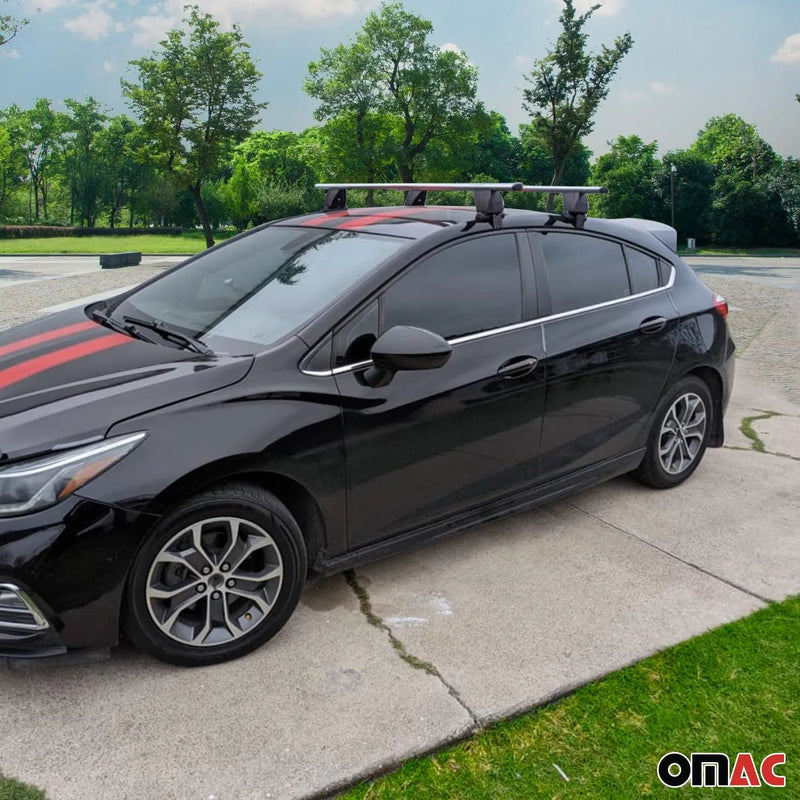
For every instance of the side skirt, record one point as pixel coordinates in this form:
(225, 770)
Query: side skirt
(496, 509)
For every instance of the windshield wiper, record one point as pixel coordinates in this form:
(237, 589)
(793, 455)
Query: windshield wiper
(104, 318)
(170, 333)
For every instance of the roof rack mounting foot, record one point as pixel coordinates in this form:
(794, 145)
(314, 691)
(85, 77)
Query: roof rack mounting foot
(416, 197)
(336, 199)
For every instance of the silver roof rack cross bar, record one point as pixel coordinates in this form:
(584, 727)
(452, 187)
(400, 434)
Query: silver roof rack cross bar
(489, 205)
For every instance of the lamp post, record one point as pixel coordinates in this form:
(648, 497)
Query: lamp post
(673, 171)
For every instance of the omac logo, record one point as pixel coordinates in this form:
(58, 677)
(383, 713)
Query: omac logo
(714, 769)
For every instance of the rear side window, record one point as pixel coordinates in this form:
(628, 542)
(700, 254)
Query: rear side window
(470, 287)
(643, 271)
(583, 270)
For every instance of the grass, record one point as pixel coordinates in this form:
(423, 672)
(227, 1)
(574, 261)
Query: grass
(756, 252)
(185, 244)
(733, 690)
(14, 790)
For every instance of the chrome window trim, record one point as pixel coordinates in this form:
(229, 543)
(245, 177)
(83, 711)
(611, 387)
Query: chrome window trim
(531, 323)
(40, 623)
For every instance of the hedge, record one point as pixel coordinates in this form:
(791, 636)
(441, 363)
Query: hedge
(50, 231)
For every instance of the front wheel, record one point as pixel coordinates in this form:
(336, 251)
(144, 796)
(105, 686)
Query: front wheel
(679, 437)
(218, 577)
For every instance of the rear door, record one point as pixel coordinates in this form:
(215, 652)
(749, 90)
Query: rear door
(434, 443)
(610, 339)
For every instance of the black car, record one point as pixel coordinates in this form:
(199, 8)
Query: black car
(323, 390)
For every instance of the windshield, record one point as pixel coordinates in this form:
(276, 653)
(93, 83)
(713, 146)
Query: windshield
(260, 287)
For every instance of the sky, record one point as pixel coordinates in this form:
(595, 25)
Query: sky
(691, 59)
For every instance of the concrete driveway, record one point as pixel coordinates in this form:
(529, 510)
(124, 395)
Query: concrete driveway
(405, 655)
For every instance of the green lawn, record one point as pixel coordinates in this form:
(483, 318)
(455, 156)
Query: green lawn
(736, 689)
(13, 790)
(185, 244)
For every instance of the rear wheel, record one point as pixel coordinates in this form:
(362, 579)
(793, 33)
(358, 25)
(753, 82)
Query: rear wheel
(219, 576)
(679, 437)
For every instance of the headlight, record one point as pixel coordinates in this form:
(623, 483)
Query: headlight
(43, 482)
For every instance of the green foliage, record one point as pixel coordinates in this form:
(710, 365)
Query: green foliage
(734, 147)
(195, 97)
(82, 163)
(694, 187)
(393, 91)
(14, 790)
(568, 85)
(10, 26)
(628, 171)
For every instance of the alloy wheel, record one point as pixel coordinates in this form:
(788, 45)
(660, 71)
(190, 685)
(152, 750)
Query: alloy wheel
(682, 433)
(214, 582)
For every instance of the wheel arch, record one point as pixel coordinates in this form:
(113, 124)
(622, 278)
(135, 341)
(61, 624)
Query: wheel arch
(713, 380)
(294, 495)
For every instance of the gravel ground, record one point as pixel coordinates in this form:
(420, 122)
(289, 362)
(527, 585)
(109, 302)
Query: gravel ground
(765, 322)
(21, 303)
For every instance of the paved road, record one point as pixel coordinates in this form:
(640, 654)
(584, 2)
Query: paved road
(501, 618)
(783, 273)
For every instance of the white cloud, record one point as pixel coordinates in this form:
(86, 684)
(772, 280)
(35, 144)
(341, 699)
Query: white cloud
(167, 14)
(449, 47)
(663, 89)
(10, 53)
(108, 66)
(789, 51)
(633, 95)
(654, 89)
(94, 23)
(48, 5)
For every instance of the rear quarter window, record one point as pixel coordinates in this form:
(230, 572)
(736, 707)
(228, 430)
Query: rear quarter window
(583, 270)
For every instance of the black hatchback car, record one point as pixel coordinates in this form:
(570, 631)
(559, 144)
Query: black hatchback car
(322, 390)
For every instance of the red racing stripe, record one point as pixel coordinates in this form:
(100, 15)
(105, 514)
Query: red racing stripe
(27, 369)
(321, 220)
(379, 216)
(48, 336)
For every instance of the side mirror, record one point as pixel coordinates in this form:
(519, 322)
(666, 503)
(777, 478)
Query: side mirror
(404, 348)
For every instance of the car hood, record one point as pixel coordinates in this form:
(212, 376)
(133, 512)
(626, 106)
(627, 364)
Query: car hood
(65, 379)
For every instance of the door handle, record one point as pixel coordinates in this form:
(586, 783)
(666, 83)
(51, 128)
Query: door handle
(653, 325)
(517, 367)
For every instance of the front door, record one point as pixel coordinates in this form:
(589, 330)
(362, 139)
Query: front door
(438, 442)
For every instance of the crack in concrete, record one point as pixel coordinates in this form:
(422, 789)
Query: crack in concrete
(758, 445)
(749, 431)
(683, 561)
(365, 605)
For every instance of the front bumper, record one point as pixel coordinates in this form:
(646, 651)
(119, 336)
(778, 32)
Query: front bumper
(62, 575)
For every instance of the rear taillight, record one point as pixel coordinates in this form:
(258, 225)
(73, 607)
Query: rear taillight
(721, 305)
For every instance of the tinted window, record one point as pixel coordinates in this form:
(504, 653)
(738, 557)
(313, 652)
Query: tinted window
(583, 270)
(471, 287)
(258, 288)
(643, 271)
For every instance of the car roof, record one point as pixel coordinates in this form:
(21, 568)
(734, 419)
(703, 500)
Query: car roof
(419, 222)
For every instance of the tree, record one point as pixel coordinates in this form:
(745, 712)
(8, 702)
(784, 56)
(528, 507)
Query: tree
(568, 85)
(10, 26)
(628, 170)
(38, 132)
(85, 171)
(694, 184)
(13, 166)
(393, 68)
(734, 147)
(196, 100)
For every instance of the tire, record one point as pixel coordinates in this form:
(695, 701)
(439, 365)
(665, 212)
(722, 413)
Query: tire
(218, 577)
(679, 436)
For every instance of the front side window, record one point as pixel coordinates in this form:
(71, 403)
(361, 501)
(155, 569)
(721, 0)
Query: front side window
(470, 287)
(261, 287)
(583, 270)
